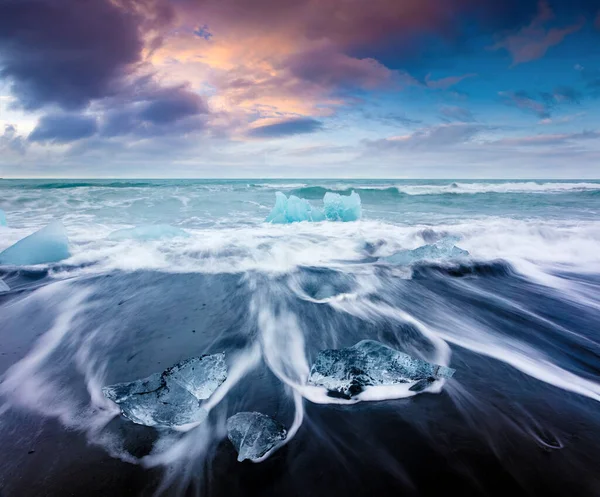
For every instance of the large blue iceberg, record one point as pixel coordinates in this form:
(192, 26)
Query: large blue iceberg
(345, 373)
(342, 208)
(148, 232)
(50, 244)
(293, 209)
(336, 207)
(171, 398)
(2, 218)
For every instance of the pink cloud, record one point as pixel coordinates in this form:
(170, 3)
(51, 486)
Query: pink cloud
(445, 83)
(533, 41)
(330, 68)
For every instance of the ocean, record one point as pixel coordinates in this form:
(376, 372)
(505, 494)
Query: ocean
(517, 318)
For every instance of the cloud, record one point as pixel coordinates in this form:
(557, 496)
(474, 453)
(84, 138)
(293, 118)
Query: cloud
(172, 106)
(10, 141)
(445, 83)
(549, 139)
(455, 113)
(70, 52)
(542, 104)
(63, 128)
(562, 119)
(524, 101)
(533, 41)
(431, 138)
(287, 127)
(330, 68)
(567, 94)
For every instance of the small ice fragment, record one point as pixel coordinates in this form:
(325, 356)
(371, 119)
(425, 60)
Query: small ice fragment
(4, 287)
(254, 434)
(2, 218)
(50, 244)
(171, 398)
(442, 249)
(293, 209)
(148, 232)
(342, 208)
(346, 372)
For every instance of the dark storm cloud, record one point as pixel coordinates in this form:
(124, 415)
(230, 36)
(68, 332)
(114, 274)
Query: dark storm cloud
(69, 52)
(288, 127)
(173, 106)
(153, 111)
(63, 128)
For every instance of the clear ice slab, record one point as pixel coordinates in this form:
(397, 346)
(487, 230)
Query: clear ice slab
(442, 249)
(50, 244)
(4, 287)
(345, 373)
(254, 434)
(2, 218)
(171, 398)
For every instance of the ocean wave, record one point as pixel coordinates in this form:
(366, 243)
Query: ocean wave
(317, 192)
(92, 184)
(508, 187)
(454, 188)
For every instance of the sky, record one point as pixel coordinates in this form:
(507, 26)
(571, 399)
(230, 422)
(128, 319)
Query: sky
(300, 88)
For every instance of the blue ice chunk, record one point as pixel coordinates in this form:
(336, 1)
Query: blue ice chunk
(171, 398)
(148, 232)
(346, 372)
(292, 210)
(4, 287)
(336, 207)
(2, 218)
(443, 249)
(341, 207)
(253, 434)
(50, 244)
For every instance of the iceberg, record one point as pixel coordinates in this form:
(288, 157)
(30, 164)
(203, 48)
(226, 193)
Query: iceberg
(2, 218)
(294, 209)
(342, 208)
(148, 232)
(4, 287)
(346, 372)
(50, 244)
(171, 398)
(443, 249)
(254, 434)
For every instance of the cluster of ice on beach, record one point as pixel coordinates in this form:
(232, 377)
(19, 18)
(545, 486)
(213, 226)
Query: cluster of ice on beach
(174, 398)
